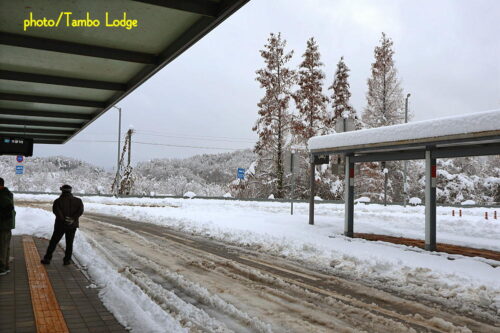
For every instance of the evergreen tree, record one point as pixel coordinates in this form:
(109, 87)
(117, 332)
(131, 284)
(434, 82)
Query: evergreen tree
(273, 124)
(312, 118)
(342, 108)
(384, 97)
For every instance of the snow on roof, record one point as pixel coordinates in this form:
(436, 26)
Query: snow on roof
(434, 128)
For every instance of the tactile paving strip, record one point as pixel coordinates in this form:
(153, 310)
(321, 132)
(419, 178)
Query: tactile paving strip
(48, 315)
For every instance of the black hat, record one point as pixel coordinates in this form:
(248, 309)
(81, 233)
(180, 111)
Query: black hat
(66, 188)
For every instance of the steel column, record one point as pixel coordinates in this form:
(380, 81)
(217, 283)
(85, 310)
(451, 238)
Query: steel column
(430, 201)
(349, 197)
(312, 190)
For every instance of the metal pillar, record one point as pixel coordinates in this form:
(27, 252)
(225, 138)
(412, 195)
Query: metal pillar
(430, 202)
(292, 195)
(386, 180)
(312, 191)
(349, 197)
(405, 185)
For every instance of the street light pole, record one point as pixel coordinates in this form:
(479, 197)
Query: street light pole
(119, 136)
(405, 185)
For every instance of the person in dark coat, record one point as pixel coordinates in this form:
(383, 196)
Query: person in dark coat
(67, 210)
(7, 223)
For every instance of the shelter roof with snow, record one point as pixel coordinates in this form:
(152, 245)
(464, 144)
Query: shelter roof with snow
(467, 135)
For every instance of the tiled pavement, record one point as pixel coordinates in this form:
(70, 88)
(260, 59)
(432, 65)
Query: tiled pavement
(80, 304)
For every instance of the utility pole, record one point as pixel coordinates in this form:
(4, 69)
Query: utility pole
(118, 150)
(123, 185)
(129, 135)
(405, 185)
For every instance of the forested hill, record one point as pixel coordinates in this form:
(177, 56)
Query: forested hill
(206, 174)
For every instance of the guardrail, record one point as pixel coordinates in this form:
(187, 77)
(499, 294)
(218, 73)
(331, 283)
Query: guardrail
(246, 199)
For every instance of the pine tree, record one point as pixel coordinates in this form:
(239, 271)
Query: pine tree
(273, 125)
(384, 97)
(312, 118)
(342, 108)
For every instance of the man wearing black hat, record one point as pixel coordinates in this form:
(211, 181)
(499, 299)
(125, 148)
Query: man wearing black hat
(67, 210)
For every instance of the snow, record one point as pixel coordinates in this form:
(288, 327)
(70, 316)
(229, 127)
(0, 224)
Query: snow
(470, 123)
(468, 202)
(227, 195)
(271, 197)
(362, 200)
(415, 201)
(189, 195)
(269, 227)
(131, 307)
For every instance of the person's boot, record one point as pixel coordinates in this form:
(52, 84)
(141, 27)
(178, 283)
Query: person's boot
(66, 262)
(45, 261)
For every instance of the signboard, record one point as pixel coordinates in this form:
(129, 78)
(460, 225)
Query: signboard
(16, 146)
(20, 158)
(344, 125)
(241, 173)
(19, 169)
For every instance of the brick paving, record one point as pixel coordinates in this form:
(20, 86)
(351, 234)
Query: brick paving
(79, 304)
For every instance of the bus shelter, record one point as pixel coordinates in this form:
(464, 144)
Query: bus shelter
(477, 134)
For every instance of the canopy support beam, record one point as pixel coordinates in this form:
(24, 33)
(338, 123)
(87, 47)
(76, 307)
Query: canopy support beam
(430, 201)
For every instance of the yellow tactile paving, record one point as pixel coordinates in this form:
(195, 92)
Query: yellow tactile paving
(48, 315)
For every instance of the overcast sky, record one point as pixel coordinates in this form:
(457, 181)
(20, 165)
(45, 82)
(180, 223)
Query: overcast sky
(447, 54)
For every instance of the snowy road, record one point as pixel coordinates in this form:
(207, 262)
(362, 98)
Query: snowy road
(156, 272)
(218, 288)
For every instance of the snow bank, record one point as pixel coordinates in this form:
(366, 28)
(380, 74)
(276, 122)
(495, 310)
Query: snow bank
(189, 195)
(125, 300)
(415, 201)
(470, 123)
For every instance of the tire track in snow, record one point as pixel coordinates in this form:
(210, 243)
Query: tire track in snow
(420, 324)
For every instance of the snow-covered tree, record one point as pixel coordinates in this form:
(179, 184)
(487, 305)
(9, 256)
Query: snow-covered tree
(384, 97)
(273, 124)
(312, 118)
(385, 106)
(342, 108)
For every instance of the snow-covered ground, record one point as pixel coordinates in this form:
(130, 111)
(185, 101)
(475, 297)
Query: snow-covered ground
(268, 227)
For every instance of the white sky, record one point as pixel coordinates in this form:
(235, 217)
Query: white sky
(447, 54)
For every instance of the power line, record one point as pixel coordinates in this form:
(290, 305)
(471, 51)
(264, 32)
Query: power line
(185, 146)
(162, 144)
(199, 138)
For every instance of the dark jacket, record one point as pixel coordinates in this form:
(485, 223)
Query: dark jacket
(67, 206)
(7, 212)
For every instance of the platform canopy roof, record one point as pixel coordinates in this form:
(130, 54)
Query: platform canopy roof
(467, 135)
(56, 81)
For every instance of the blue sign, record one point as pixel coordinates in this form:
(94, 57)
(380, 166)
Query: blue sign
(19, 169)
(20, 158)
(241, 173)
